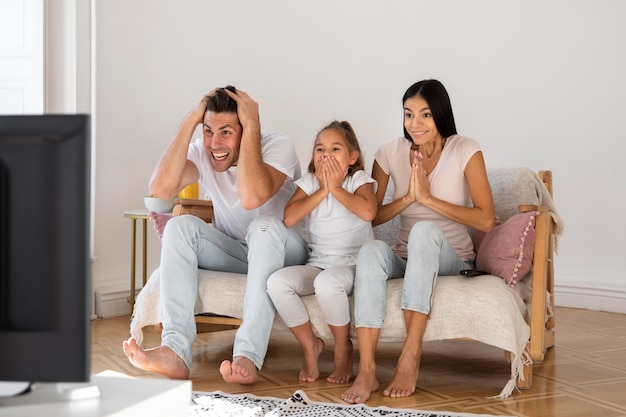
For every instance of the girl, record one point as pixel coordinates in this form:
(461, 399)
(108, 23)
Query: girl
(338, 197)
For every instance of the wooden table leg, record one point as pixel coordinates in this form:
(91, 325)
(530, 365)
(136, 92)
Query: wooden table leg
(145, 253)
(133, 253)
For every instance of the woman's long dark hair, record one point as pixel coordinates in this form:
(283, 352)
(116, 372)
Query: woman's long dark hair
(438, 100)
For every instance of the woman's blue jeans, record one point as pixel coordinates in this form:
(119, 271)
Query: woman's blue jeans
(429, 255)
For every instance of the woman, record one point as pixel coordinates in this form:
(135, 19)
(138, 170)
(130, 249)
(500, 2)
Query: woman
(436, 174)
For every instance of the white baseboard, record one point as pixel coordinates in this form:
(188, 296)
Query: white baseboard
(112, 303)
(604, 295)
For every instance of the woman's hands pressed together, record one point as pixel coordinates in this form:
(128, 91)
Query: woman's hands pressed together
(419, 187)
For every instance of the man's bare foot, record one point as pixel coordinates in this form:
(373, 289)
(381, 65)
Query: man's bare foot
(363, 386)
(343, 363)
(160, 359)
(405, 378)
(240, 371)
(310, 372)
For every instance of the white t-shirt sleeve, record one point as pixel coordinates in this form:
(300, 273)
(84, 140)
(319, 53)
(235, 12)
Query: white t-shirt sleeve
(278, 152)
(308, 183)
(196, 151)
(359, 178)
(387, 153)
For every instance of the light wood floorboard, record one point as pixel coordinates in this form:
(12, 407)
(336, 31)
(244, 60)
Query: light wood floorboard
(584, 375)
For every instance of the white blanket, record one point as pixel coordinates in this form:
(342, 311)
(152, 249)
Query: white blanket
(482, 308)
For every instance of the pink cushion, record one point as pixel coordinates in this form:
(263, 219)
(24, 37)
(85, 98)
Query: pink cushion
(159, 220)
(507, 251)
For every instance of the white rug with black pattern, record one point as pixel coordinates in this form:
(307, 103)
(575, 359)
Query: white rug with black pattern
(220, 404)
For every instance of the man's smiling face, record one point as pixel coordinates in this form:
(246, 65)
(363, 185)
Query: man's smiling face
(222, 138)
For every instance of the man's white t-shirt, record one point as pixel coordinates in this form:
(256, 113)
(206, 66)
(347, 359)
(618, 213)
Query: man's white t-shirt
(230, 217)
(335, 233)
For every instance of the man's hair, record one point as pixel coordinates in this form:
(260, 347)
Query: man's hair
(221, 101)
(438, 100)
(346, 130)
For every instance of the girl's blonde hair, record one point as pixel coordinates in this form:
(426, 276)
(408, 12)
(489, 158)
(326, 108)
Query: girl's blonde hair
(345, 129)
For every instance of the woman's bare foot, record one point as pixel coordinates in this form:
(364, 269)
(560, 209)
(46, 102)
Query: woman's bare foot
(160, 359)
(310, 371)
(240, 371)
(405, 378)
(363, 386)
(343, 363)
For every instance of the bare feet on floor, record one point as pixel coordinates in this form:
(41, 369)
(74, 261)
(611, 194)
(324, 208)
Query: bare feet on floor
(405, 378)
(160, 359)
(240, 371)
(343, 363)
(364, 384)
(310, 372)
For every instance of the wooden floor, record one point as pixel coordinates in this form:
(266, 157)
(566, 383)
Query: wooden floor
(584, 375)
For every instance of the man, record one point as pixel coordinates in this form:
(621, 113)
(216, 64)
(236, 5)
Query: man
(248, 174)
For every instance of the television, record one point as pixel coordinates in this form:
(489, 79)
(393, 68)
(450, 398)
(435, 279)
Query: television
(45, 276)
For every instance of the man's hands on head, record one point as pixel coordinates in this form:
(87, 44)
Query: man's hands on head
(247, 109)
(197, 113)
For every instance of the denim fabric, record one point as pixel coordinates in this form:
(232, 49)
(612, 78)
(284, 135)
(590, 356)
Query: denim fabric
(188, 244)
(272, 246)
(429, 255)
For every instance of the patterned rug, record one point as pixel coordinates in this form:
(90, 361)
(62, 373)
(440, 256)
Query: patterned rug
(220, 404)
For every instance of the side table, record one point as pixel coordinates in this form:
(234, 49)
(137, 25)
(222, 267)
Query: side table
(135, 215)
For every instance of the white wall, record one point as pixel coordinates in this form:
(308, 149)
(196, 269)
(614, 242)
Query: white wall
(66, 29)
(538, 83)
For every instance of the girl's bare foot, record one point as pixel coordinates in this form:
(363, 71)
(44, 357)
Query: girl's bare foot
(405, 378)
(310, 372)
(240, 371)
(363, 386)
(160, 359)
(343, 363)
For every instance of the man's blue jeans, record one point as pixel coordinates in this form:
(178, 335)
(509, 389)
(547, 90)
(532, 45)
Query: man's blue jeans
(189, 243)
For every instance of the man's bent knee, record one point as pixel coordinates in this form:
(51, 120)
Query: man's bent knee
(181, 227)
(262, 224)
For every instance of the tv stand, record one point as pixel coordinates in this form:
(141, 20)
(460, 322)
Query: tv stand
(44, 393)
(107, 394)
(12, 388)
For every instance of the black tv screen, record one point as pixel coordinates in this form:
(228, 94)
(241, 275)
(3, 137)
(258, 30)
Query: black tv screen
(45, 269)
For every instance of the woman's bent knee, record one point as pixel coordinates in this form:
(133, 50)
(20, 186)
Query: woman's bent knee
(374, 261)
(424, 230)
(372, 249)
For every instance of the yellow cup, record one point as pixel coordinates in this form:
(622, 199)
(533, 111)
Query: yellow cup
(190, 191)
